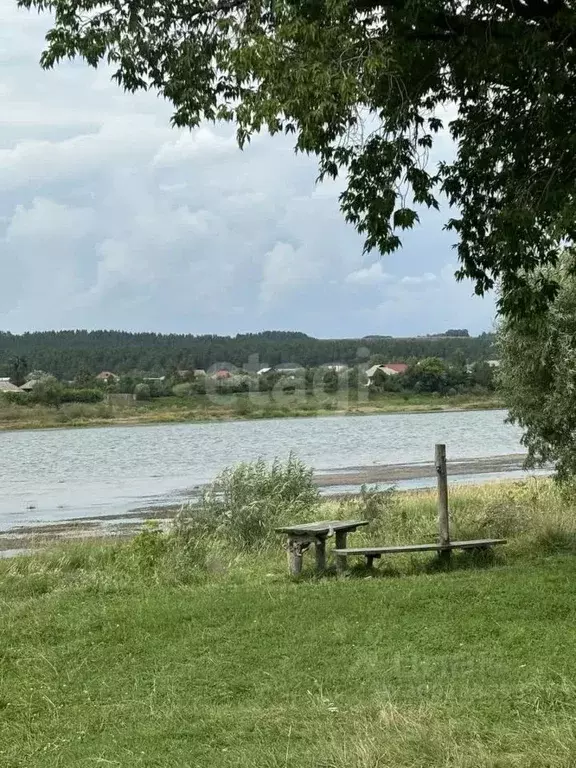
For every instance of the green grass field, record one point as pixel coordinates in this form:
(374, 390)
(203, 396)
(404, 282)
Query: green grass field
(112, 657)
(201, 408)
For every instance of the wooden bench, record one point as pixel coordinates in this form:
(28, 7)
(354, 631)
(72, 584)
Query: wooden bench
(374, 553)
(444, 546)
(300, 537)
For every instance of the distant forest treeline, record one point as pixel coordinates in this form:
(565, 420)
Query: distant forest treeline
(67, 353)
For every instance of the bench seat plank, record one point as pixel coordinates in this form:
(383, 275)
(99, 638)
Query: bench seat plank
(432, 547)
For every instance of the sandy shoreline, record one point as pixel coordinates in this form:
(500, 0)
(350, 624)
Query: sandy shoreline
(392, 473)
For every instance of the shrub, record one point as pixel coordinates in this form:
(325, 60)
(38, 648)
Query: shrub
(48, 391)
(82, 396)
(14, 398)
(183, 390)
(245, 503)
(148, 546)
(158, 388)
(177, 555)
(142, 392)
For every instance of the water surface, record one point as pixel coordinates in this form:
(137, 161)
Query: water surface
(52, 475)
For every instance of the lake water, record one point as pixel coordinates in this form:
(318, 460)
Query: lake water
(52, 475)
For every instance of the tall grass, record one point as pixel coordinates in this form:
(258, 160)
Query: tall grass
(230, 533)
(245, 503)
(232, 529)
(233, 521)
(537, 516)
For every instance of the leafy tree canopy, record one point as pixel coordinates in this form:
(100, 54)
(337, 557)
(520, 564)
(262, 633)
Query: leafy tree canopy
(537, 376)
(365, 85)
(73, 354)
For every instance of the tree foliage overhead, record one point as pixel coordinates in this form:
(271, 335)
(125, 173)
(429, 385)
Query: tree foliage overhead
(365, 85)
(538, 376)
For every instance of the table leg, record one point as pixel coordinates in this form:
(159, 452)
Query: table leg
(320, 545)
(445, 556)
(295, 556)
(341, 560)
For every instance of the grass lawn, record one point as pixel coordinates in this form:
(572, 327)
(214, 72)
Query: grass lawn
(470, 668)
(243, 667)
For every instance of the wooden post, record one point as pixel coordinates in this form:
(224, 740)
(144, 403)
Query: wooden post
(341, 560)
(295, 557)
(320, 545)
(443, 514)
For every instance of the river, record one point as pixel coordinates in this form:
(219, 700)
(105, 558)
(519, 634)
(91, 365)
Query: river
(57, 475)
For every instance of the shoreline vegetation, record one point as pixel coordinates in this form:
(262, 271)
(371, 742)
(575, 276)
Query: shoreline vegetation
(191, 645)
(169, 410)
(32, 535)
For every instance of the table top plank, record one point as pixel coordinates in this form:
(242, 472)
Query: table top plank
(472, 544)
(322, 526)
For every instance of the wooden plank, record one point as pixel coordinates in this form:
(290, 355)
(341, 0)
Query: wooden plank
(323, 526)
(476, 543)
(432, 547)
(443, 514)
(376, 551)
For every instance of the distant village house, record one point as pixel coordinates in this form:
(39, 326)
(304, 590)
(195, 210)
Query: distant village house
(336, 367)
(7, 386)
(29, 386)
(390, 369)
(107, 376)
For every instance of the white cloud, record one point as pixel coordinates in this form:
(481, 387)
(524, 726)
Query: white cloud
(134, 224)
(372, 275)
(201, 143)
(285, 269)
(34, 162)
(45, 219)
(427, 277)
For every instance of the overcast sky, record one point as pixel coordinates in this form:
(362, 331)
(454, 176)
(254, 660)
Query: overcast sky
(109, 218)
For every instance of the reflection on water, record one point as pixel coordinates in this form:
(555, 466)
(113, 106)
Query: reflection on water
(60, 474)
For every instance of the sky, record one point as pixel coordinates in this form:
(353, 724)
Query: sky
(110, 218)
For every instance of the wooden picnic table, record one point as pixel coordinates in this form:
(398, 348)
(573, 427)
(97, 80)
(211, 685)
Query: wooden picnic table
(300, 537)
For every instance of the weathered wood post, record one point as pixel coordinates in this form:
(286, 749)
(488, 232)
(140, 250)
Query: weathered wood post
(295, 556)
(320, 546)
(341, 560)
(443, 514)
